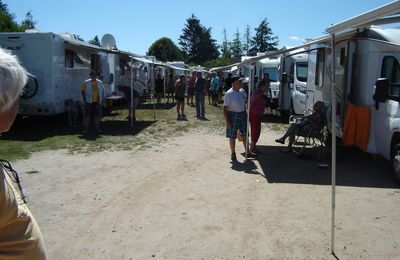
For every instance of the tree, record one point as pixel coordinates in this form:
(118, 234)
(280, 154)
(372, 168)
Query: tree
(95, 41)
(236, 47)
(196, 42)
(164, 49)
(28, 22)
(7, 23)
(247, 40)
(264, 40)
(225, 47)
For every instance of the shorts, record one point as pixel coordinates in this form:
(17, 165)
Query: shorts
(93, 109)
(238, 122)
(190, 91)
(179, 99)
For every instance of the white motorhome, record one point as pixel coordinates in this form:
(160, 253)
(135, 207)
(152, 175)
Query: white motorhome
(367, 75)
(293, 85)
(271, 66)
(58, 65)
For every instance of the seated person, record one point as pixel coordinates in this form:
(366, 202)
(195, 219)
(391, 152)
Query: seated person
(304, 125)
(127, 92)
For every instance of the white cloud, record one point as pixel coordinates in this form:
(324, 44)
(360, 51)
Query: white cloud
(295, 38)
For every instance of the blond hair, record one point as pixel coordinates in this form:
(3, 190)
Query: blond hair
(13, 78)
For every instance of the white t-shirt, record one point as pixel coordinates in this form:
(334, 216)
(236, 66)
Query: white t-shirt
(235, 101)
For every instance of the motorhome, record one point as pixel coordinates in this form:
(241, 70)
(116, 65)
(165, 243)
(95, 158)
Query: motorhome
(293, 83)
(270, 66)
(367, 93)
(57, 64)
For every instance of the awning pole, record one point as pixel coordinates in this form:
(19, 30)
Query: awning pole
(131, 106)
(248, 107)
(333, 127)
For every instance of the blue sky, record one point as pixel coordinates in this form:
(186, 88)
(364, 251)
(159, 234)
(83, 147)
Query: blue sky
(137, 24)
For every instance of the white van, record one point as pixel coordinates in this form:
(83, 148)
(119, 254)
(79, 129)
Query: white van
(367, 76)
(293, 85)
(270, 66)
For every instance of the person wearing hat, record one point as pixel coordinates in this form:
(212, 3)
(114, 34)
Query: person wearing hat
(20, 236)
(235, 114)
(180, 85)
(92, 94)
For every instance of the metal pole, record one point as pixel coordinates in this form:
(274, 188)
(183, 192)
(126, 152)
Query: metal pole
(131, 106)
(248, 107)
(333, 127)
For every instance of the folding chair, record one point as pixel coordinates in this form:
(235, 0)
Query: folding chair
(309, 140)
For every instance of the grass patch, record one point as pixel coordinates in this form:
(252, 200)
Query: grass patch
(154, 125)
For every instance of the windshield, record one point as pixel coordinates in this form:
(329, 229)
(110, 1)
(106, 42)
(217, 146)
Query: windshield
(301, 71)
(272, 72)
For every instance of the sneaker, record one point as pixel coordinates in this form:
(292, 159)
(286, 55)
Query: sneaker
(183, 115)
(251, 154)
(99, 131)
(178, 117)
(233, 157)
(280, 140)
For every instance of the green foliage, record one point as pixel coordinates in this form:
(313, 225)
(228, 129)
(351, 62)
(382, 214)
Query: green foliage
(246, 40)
(7, 20)
(264, 40)
(95, 41)
(219, 62)
(28, 22)
(225, 47)
(196, 42)
(236, 47)
(164, 49)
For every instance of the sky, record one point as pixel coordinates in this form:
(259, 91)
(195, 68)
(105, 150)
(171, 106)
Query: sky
(135, 25)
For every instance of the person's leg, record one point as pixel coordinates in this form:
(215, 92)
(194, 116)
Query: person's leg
(183, 108)
(202, 107)
(97, 116)
(86, 121)
(178, 107)
(291, 130)
(197, 105)
(232, 145)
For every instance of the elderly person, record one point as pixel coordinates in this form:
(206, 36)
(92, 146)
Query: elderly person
(20, 237)
(257, 106)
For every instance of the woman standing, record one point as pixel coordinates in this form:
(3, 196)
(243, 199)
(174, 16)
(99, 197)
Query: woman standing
(257, 106)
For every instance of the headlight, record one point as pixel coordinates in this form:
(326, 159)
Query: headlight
(301, 89)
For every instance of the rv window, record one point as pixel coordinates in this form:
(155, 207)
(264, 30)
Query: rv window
(69, 59)
(342, 55)
(301, 71)
(391, 71)
(272, 72)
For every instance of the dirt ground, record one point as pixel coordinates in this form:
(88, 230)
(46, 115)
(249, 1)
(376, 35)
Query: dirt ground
(184, 199)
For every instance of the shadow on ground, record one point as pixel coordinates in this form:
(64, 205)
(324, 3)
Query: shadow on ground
(39, 128)
(353, 168)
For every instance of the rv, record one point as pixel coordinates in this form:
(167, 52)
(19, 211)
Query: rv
(293, 85)
(367, 75)
(270, 66)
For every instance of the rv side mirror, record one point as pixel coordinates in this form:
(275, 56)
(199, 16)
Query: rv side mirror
(284, 77)
(290, 79)
(381, 91)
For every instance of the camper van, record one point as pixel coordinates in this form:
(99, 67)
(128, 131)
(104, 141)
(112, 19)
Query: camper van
(293, 85)
(270, 66)
(367, 75)
(57, 64)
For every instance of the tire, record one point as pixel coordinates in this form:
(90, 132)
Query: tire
(395, 163)
(30, 89)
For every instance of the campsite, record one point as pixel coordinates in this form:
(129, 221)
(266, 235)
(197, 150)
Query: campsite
(148, 179)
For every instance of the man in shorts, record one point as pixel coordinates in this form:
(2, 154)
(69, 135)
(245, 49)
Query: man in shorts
(235, 114)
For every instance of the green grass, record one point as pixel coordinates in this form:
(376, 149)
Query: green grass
(153, 126)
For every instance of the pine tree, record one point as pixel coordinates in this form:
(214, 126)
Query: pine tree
(196, 42)
(164, 49)
(28, 23)
(247, 40)
(95, 41)
(264, 40)
(225, 47)
(7, 22)
(236, 47)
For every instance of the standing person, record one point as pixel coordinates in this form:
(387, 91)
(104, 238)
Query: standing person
(159, 82)
(132, 104)
(92, 94)
(20, 236)
(199, 89)
(180, 97)
(170, 87)
(235, 114)
(220, 87)
(208, 84)
(214, 85)
(190, 88)
(257, 106)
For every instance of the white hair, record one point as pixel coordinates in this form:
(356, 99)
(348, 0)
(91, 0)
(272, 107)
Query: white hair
(13, 78)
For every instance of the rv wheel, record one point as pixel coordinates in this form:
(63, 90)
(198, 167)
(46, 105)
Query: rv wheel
(30, 88)
(396, 163)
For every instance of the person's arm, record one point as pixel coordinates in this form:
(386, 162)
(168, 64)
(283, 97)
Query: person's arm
(228, 122)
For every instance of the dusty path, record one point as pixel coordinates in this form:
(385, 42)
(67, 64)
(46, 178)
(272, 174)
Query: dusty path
(183, 199)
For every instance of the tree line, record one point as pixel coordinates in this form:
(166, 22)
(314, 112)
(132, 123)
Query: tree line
(196, 44)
